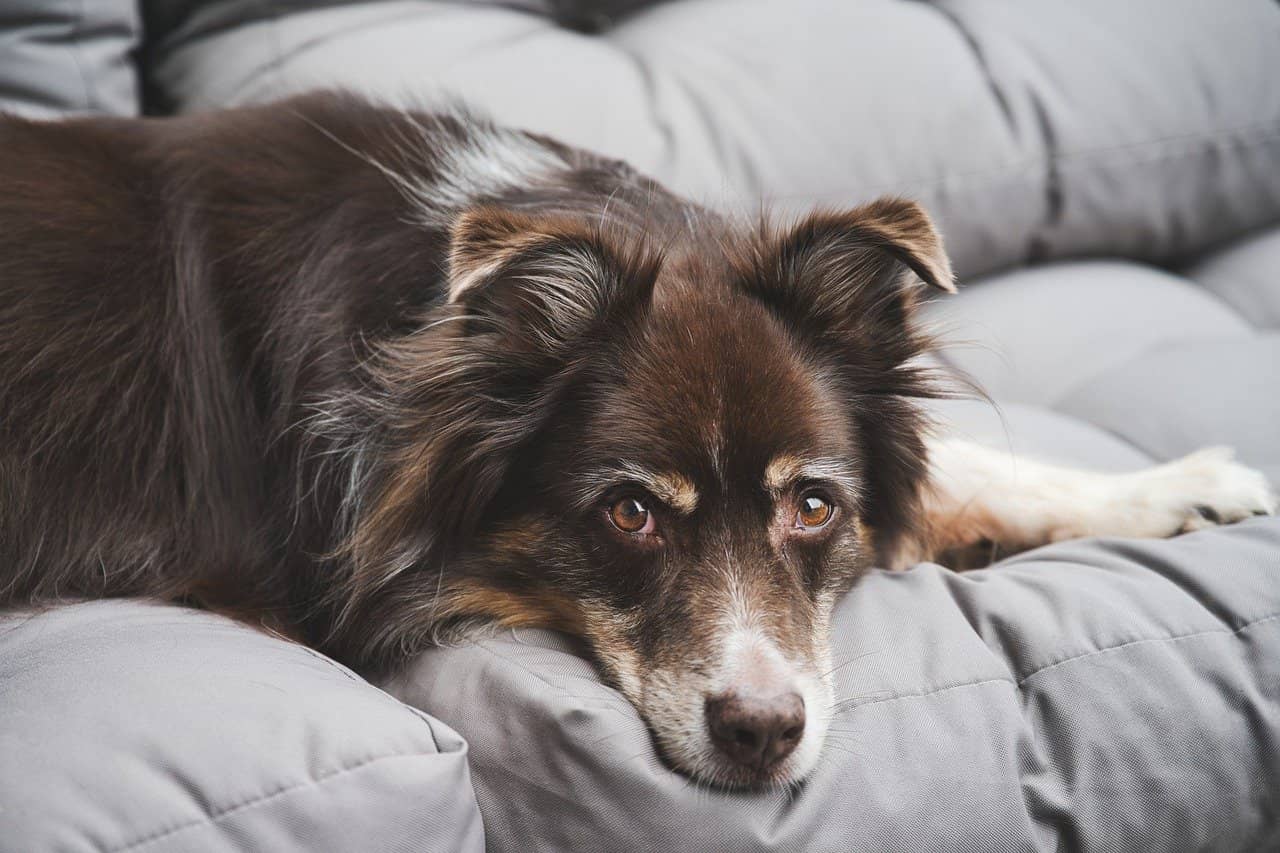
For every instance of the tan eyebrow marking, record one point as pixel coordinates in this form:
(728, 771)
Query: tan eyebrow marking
(782, 470)
(786, 469)
(672, 488)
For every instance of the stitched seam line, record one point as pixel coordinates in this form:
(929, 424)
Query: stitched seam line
(76, 49)
(420, 715)
(1021, 681)
(1175, 639)
(217, 815)
(934, 692)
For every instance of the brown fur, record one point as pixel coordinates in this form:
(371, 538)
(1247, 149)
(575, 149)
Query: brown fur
(281, 362)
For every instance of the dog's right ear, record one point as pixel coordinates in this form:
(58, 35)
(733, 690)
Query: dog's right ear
(528, 300)
(540, 282)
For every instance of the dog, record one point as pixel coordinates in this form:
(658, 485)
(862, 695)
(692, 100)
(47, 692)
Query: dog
(375, 377)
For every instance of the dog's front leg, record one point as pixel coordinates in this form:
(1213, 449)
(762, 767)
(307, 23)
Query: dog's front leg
(981, 503)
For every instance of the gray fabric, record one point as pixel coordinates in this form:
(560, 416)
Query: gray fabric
(1158, 120)
(1235, 386)
(130, 727)
(1036, 335)
(1098, 696)
(1247, 277)
(68, 56)
(1036, 432)
(1149, 128)
(181, 20)
(1103, 695)
(1143, 364)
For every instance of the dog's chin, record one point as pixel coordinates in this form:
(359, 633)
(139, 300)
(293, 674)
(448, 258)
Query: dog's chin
(685, 745)
(716, 772)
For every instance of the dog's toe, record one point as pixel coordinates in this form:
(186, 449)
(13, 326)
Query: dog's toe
(1217, 490)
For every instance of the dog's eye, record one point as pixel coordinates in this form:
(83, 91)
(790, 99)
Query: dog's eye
(631, 516)
(815, 511)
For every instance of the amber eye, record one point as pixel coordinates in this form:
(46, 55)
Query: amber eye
(631, 516)
(814, 512)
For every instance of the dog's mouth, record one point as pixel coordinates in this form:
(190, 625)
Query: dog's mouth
(755, 720)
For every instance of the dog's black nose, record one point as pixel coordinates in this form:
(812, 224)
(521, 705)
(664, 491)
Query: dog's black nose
(756, 731)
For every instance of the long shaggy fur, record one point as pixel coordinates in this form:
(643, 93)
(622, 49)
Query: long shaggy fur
(313, 364)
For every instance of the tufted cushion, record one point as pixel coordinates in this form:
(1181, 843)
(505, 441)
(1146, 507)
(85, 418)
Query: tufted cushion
(1163, 363)
(1090, 696)
(1149, 128)
(129, 727)
(1145, 130)
(61, 56)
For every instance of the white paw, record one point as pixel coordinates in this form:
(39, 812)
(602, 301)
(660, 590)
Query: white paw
(1201, 490)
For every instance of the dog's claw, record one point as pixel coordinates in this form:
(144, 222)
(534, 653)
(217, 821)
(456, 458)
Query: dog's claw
(1204, 489)
(1208, 513)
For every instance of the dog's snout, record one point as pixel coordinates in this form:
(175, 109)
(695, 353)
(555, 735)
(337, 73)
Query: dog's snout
(755, 730)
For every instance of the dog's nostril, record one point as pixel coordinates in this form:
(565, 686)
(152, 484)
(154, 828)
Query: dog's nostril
(754, 730)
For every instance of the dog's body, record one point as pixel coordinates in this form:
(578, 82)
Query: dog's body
(375, 376)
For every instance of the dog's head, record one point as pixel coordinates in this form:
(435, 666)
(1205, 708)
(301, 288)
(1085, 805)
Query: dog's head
(682, 457)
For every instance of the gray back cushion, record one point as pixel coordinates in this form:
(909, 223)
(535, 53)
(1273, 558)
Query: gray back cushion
(134, 727)
(69, 56)
(1090, 696)
(1149, 128)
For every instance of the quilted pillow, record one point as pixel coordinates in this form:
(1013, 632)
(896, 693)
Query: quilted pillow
(69, 56)
(1093, 696)
(127, 726)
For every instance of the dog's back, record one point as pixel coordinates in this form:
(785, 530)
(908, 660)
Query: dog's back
(181, 300)
(170, 293)
(107, 444)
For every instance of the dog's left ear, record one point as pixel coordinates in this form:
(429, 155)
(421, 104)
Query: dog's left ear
(536, 286)
(849, 278)
(847, 284)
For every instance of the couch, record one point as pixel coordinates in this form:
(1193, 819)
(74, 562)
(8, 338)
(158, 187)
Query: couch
(1107, 178)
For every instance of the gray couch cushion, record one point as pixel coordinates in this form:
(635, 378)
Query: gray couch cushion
(1149, 128)
(129, 727)
(1158, 121)
(1247, 277)
(1160, 362)
(60, 56)
(1098, 695)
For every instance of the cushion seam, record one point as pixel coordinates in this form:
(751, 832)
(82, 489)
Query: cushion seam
(417, 713)
(935, 691)
(261, 799)
(1018, 684)
(1174, 639)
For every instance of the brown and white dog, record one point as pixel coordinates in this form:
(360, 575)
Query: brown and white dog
(376, 377)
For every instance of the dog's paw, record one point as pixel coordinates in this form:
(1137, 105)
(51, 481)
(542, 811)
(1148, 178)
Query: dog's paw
(1204, 489)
